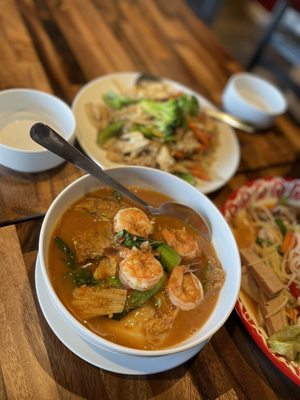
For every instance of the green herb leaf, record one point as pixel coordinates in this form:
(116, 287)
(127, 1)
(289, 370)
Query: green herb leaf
(281, 226)
(136, 299)
(186, 176)
(71, 260)
(109, 131)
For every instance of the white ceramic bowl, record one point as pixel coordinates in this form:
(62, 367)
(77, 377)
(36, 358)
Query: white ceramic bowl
(182, 192)
(253, 99)
(19, 110)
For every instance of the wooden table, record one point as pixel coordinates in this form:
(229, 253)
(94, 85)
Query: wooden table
(57, 46)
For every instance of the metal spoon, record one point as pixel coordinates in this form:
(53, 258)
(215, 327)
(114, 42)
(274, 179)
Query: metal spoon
(51, 140)
(229, 120)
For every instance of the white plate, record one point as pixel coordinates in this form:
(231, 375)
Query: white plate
(227, 155)
(107, 360)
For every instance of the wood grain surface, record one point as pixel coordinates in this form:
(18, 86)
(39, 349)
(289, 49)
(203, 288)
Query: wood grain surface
(58, 46)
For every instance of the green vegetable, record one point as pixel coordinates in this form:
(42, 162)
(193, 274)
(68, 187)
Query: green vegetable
(114, 281)
(259, 241)
(109, 131)
(166, 114)
(286, 342)
(117, 195)
(281, 226)
(129, 240)
(284, 200)
(83, 276)
(168, 257)
(71, 260)
(186, 176)
(148, 131)
(118, 101)
(136, 299)
(189, 105)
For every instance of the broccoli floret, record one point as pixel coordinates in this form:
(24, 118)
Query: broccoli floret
(118, 101)
(166, 114)
(189, 105)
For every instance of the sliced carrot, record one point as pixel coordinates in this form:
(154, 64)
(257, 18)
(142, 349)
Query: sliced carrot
(197, 171)
(202, 136)
(179, 154)
(176, 95)
(201, 118)
(288, 242)
(293, 314)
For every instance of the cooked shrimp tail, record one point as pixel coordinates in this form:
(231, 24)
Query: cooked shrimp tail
(184, 288)
(134, 221)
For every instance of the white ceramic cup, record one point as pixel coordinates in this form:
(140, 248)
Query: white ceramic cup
(19, 110)
(253, 100)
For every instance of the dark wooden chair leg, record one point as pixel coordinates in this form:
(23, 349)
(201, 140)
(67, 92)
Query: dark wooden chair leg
(278, 12)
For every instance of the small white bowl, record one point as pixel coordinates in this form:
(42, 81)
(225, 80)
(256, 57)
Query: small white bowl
(19, 110)
(253, 100)
(180, 191)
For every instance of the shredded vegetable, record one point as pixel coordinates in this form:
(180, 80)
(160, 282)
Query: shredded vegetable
(153, 125)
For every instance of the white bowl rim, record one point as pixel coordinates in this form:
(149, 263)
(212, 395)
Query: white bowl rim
(258, 79)
(102, 342)
(50, 96)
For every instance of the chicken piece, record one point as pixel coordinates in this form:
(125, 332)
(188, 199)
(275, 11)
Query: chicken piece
(90, 245)
(189, 144)
(93, 301)
(131, 143)
(107, 267)
(158, 325)
(164, 159)
(164, 317)
(99, 209)
(98, 114)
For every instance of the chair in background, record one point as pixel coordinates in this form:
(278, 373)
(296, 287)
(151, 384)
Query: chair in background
(279, 48)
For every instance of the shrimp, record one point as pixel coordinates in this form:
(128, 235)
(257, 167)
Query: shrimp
(140, 271)
(134, 220)
(184, 288)
(182, 241)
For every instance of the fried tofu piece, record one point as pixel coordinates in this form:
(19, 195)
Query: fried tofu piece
(98, 209)
(249, 285)
(93, 301)
(276, 322)
(107, 267)
(90, 245)
(262, 273)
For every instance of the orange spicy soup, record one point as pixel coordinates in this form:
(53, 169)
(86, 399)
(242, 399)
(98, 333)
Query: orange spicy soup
(139, 281)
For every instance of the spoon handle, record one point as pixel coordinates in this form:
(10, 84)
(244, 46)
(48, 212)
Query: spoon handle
(230, 120)
(51, 140)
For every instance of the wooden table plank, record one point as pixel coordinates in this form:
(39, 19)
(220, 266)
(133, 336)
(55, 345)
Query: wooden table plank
(229, 360)
(24, 196)
(54, 46)
(23, 353)
(20, 66)
(58, 46)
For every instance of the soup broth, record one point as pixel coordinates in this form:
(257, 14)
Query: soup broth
(139, 281)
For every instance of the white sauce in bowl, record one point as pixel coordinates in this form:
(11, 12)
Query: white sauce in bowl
(256, 100)
(16, 134)
(15, 127)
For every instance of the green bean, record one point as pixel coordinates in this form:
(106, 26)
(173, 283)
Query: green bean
(109, 131)
(137, 298)
(168, 257)
(71, 260)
